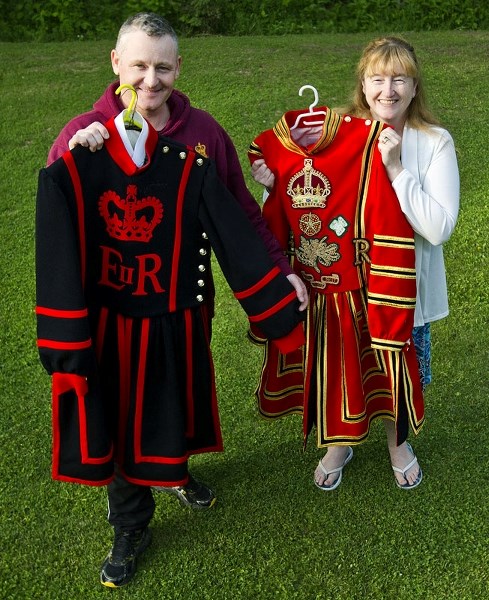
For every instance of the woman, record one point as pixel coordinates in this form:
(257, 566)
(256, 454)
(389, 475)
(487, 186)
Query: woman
(420, 161)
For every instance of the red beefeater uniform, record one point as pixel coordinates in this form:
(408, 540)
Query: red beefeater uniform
(122, 255)
(333, 204)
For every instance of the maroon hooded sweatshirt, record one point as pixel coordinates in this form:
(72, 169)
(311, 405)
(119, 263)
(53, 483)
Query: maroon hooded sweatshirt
(197, 129)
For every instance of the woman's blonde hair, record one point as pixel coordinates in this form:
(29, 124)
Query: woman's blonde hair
(394, 56)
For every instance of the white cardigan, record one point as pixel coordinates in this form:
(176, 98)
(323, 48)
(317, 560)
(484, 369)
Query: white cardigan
(428, 190)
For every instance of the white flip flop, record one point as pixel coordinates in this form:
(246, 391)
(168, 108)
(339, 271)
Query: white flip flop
(408, 486)
(330, 488)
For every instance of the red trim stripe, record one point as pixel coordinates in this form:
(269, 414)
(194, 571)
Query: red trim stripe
(54, 345)
(98, 483)
(190, 371)
(139, 457)
(61, 314)
(117, 150)
(62, 383)
(138, 413)
(155, 482)
(178, 230)
(274, 309)
(55, 432)
(102, 324)
(259, 285)
(83, 429)
(75, 178)
(164, 460)
(218, 446)
(124, 335)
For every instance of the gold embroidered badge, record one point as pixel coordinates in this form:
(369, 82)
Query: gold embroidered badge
(314, 190)
(313, 252)
(200, 148)
(339, 226)
(310, 224)
(323, 282)
(362, 248)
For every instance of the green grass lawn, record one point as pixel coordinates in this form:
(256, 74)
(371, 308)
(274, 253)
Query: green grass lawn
(272, 534)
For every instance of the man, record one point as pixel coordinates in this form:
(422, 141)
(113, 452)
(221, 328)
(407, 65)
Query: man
(146, 57)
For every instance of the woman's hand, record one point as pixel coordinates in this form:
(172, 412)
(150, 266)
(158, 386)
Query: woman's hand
(390, 149)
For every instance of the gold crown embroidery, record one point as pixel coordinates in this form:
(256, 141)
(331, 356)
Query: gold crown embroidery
(311, 194)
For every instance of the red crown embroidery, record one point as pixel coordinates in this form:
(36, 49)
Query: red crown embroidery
(120, 215)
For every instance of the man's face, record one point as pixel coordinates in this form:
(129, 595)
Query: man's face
(151, 65)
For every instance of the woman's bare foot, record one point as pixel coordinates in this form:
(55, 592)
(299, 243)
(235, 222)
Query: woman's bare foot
(332, 465)
(401, 457)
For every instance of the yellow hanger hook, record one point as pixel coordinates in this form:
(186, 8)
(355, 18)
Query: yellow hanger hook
(134, 97)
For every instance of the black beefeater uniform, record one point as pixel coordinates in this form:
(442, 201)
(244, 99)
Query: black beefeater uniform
(123, 255)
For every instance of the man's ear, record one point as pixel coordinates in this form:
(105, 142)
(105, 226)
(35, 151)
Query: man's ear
(177, 70)
(114, 59)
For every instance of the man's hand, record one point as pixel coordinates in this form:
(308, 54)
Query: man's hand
(300, 289)
(262, 174)
(92, 137)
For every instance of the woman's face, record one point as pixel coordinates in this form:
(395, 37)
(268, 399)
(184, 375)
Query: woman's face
(389, 96)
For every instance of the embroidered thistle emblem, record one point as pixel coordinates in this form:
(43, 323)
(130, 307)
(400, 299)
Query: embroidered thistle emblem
(315, 251)
(130, 219)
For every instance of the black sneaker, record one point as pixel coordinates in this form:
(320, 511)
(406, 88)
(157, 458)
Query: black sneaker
(120, 565)
(195, 494)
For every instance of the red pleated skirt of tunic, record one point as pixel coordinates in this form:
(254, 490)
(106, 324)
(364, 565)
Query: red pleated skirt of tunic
(337, 381)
